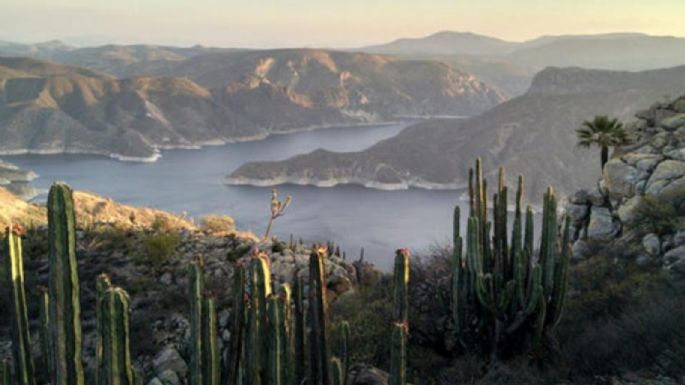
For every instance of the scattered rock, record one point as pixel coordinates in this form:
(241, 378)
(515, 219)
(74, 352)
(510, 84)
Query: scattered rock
(362, 374)
(169, 377)
(602, 225)
(170, 360)
(652, 244)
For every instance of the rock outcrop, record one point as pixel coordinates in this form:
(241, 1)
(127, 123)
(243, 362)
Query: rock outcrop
(639, 202)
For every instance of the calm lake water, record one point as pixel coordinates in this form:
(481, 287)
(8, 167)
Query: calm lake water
(191, 182)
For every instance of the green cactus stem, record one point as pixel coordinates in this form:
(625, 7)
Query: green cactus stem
(44, 331)
(318, 318)
(238, 325)
(398, 354)
(300, 326)
(5, 373)
(401, 286)
(65, 307)
(345, 348)
(114, 361)
(195, 292)
(337, 372)
(21, 336)
(275, 338)
(211, 361)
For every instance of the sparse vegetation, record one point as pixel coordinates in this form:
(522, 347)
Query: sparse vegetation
(218, 224)
(159, 247)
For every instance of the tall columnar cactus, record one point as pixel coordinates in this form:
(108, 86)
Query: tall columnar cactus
(102, 285)
(65, 307)
(318, 320)
(398, 354)
(195, 295)
(288, 337)
(5, 373)
(344, 351)
(114, 363)
(499, 291)
(256, 343)
(21, 336)
(211, 362)
(337, 372)
(299, 328)
(44, 331)
(238, 327)
(276, 342)
(401, 286)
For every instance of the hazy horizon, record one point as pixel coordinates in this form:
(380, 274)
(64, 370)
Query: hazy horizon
(308, 23)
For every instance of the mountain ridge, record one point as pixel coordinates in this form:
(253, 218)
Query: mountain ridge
(531, 134)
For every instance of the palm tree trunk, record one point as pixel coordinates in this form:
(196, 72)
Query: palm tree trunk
(605, 156)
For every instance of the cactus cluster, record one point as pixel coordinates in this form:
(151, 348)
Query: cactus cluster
(504, 296)
(60, 310)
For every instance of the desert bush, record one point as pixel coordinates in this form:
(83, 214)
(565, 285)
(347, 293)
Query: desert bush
(623, 318)
(218, 224)
(369, 312)
(654, 215)
(159, 247)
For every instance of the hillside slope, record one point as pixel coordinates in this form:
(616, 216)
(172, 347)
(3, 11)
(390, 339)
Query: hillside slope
(533, 134)
(51, 108)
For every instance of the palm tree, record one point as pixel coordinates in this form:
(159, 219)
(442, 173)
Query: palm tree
(603, 132)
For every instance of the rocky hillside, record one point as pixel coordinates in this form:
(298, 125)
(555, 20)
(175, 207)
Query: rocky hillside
(91, 209)
(533, 134)
(148, 254)
(638, 205)
(51, 108)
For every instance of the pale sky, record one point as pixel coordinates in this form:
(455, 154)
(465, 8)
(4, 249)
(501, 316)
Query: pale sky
(324, 23)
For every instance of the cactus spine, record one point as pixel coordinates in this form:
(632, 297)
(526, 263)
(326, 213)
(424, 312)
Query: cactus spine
(65, 307)
(21, 337)
(496, 284)
(318, 318)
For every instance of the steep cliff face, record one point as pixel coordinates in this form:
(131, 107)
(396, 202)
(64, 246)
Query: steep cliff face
(638, 204)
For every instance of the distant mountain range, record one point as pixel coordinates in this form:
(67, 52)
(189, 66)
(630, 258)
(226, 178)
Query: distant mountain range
(182, 98)
(512, 65)
(533, 134)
